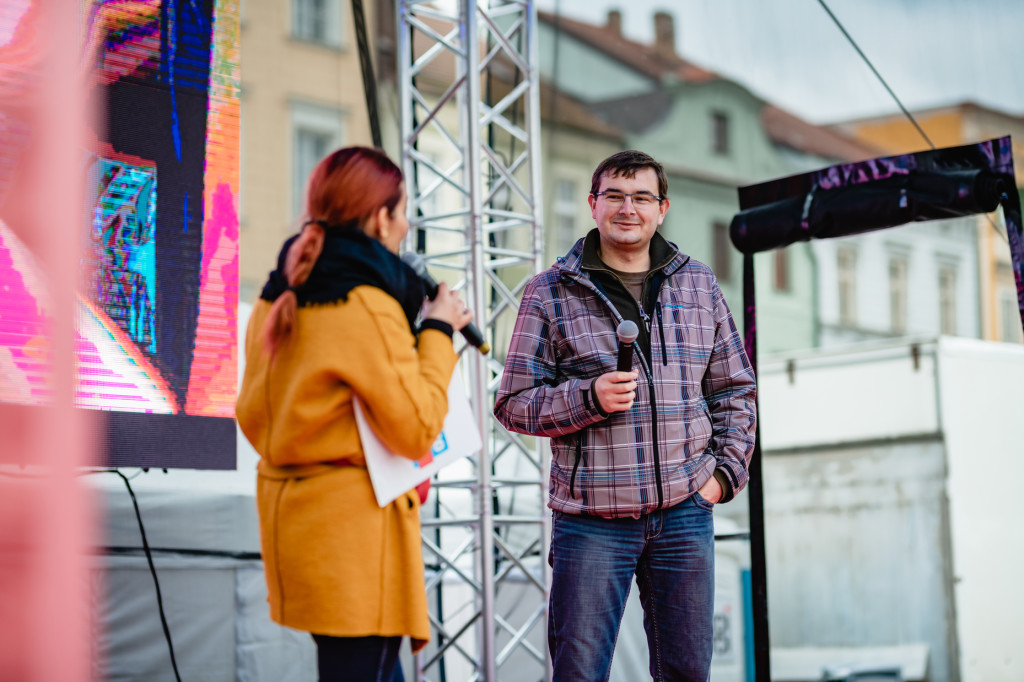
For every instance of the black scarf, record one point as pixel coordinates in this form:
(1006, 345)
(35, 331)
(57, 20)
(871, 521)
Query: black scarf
(350, 258)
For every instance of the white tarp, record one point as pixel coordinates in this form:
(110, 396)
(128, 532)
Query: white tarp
(213, 589)
(215, 603)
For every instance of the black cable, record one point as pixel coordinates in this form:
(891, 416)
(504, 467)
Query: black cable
(152, 568)
(556, 26)
(414, 189)
(121, 550)
(145, 547)
(875, 71)
(369, 83)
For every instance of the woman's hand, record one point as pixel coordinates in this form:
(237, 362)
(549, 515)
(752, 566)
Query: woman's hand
(448, 307)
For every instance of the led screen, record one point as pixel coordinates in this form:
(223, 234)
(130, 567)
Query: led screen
(156, 340)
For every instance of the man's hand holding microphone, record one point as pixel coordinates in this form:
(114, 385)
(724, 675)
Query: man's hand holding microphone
(616, 391)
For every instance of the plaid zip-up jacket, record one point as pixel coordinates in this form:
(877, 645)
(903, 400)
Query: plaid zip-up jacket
(694, 410)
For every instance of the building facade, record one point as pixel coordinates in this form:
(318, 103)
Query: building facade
(302, 96)
(712, 135)
(989, 294)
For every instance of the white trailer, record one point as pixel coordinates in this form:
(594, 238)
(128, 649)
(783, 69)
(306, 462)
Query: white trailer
(893, 509)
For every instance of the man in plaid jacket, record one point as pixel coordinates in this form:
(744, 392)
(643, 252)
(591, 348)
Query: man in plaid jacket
(639, 458)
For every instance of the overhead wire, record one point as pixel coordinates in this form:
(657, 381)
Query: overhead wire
(871, 66)
(899, 103)
(366, 67)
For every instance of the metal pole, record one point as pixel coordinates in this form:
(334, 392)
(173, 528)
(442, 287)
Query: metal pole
(755, 493)
(481, 407)
(457, 178)
(537, 234)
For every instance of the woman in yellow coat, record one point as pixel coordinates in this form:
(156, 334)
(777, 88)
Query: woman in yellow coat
(337, 320)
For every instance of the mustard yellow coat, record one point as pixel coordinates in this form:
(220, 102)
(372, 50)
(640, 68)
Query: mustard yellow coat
(336, 563)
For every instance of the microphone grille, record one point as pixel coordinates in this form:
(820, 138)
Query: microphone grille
(627, 331)
(414, 261)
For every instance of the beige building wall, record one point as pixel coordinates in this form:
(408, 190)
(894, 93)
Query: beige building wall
(283, 74)
(287, 80)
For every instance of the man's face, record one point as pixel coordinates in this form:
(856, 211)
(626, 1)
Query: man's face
(624, 226)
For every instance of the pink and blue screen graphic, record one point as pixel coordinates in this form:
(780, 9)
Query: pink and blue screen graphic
(123, 267)
(156, 340)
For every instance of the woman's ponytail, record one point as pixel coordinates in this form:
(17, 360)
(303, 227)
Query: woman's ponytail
(347, 186)
(302, 256)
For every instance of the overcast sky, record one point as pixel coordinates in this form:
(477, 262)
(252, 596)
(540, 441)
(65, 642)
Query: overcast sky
(931, 52)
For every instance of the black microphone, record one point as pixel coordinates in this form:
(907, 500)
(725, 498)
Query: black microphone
(627, 331)
(470, 332)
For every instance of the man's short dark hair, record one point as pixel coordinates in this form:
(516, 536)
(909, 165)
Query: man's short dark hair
(627, 164)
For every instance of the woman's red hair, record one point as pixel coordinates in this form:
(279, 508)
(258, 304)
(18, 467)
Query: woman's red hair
(346, 188)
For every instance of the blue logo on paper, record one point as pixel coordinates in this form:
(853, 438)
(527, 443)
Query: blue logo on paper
(440, 445)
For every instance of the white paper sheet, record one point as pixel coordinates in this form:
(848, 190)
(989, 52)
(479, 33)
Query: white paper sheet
(393, 475)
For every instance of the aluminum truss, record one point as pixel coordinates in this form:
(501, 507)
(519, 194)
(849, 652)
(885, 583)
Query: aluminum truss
(470, 123)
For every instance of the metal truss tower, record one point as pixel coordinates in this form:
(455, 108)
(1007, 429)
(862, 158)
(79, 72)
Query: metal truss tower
(470, 144)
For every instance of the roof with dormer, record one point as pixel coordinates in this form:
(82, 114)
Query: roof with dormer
(662, 65)
(641, 57)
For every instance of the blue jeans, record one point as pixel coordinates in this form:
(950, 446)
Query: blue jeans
(593, 561)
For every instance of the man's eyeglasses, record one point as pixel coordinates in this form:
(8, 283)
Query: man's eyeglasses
(640, 199)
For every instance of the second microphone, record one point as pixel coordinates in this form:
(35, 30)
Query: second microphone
(470, 332)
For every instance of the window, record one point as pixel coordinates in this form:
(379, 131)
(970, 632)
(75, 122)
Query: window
(310, 147)
(847, 266)
(566, 207)
(898, 294)
(781, 270)
(317, 21)
(719, 132)
(722, 252)
(316, 131)
(947, 299)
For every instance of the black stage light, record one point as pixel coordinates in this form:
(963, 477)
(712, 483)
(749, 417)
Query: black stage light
(853, 209)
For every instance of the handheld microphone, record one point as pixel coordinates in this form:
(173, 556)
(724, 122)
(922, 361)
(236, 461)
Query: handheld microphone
(627, 331)
(470, 332)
